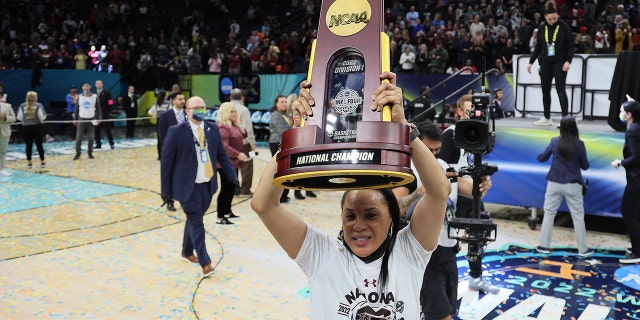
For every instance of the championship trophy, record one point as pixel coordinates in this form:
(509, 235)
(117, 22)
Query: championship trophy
(345, 145)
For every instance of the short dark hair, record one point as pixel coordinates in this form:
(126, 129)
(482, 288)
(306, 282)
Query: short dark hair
(429, 130)
(632, 107)
(173, 95)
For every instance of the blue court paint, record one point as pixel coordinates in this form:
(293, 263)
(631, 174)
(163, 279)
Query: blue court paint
(29, 190)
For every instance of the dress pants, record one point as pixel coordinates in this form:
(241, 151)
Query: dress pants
(84, 125)
(131, 125)
(4, 144)
(246, 171)
(572, 193)
(549, 71)
(194, 233)
(630, 210)
(31, 134)
(226, 194)
(106, 126)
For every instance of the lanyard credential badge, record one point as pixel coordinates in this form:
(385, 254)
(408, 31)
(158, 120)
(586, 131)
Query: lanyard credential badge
(551, 49)
(204, 155)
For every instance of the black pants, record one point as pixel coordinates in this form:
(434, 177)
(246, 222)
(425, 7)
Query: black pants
(31, 134)
(106, 125)
(630, 210)
(549, 71)
(225, 197)
(131, 124)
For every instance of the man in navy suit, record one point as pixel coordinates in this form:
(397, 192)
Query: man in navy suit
(168, 119)
(188, 174)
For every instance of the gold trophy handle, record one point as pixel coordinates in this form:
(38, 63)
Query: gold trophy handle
(385, 67)
(313, 54)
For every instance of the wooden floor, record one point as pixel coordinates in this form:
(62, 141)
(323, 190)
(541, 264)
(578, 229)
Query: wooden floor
(88, 240)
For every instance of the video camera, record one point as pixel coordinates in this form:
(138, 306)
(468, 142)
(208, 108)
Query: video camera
(473, 135)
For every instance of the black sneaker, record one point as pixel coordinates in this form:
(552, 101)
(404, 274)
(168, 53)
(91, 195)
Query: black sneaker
(311, 194)
(90, 156)
(298, 195)
(171, 207)
(540, 249)
(630, 258)
(284, 199)
(76, 157)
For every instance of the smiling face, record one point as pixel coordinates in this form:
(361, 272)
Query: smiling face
(365, 221)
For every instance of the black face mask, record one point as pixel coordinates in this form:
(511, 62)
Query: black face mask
(373, 256)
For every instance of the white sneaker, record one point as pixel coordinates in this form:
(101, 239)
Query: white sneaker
(5, 173)
(543, 122)
(478, 284)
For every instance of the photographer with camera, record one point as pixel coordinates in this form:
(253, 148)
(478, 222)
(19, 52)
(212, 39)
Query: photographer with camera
(439, 291)
(456, 157)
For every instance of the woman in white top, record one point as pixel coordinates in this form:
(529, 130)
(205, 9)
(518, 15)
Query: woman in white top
(373, 269)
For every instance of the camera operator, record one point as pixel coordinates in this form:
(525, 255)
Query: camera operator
(439, 291)
(456, 158)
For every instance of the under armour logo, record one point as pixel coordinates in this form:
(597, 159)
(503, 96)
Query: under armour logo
(372, 282)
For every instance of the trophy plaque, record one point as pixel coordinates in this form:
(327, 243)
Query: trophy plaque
(345, 145)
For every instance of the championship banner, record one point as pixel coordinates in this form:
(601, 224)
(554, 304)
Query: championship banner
(345, 145)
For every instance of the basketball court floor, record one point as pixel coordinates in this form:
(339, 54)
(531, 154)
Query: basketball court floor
(88, 239)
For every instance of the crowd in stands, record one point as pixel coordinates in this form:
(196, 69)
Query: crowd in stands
(152, 42)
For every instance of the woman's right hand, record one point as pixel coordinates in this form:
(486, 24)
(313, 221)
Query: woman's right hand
(242, 157)
(301, 108)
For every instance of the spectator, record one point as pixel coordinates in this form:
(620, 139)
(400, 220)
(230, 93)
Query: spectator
(583, 42)
(32, 114)
(407, 60)
(602, 43)
(439, 58)
(624, 37)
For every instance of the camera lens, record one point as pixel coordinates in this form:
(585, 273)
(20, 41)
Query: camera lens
(472, 135)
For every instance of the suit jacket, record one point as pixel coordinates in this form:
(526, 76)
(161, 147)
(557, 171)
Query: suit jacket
(129, 109)
(5, 124)
(166, 120)
(631, 153)
(106, 102)
(179, 160)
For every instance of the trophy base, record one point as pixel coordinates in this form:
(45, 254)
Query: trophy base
(332, 179)
(380, 159)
